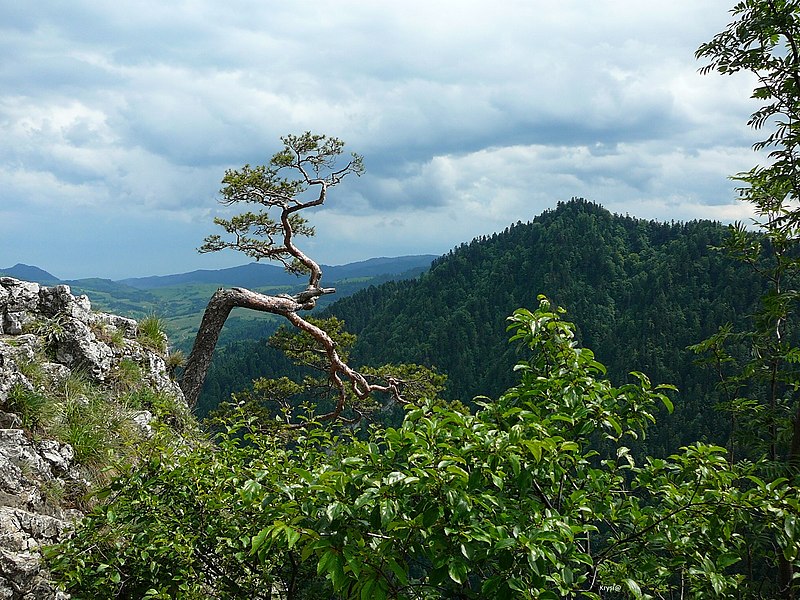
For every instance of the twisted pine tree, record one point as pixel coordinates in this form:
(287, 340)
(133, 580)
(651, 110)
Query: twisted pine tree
(296, 178)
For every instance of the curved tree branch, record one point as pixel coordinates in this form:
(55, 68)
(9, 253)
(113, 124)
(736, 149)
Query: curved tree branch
(264, 185)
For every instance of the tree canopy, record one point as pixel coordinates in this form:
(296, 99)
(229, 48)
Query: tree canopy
(510, 502)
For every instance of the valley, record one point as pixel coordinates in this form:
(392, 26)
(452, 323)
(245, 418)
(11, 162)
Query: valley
(179, 300)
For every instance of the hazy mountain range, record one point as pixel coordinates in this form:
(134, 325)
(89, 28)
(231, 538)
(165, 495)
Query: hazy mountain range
(180, 299)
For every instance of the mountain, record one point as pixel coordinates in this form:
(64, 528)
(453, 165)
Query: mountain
(250, 275)
(255, 275)
(375, 267)
(639, 292)
(180, 299)
(30, 273)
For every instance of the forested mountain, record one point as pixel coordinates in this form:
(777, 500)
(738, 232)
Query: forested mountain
(639, 291)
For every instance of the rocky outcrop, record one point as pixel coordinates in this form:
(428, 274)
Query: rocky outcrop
(29, 517)
(48, 332)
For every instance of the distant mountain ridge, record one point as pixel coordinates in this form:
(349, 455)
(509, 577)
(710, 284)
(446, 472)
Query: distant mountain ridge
(30, 273)
(180, 299)
(261, 274)
(250, 275)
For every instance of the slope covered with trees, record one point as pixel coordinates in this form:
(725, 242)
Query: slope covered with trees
(639, 291)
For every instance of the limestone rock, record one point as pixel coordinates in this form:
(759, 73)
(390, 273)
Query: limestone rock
(128, 326)
(80, 349)
(58, 300)
(66, 336)
(143, 418)
(20, 304)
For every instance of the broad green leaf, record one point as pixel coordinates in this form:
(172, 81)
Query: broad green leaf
(497, 480)
(633, 587)
(457, 571)
(398, 571)
(395, 477)
(458, 472)
(431, 515)
(515, 466)
(259, 538)
(667, 403)
(726, 560)
(292, 536)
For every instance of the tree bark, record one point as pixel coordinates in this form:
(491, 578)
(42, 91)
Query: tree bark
(214, 317)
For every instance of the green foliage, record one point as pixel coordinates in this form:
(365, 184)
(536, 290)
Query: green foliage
(310, 390)
(639, 291)
(53, 492)
(302, 349)
(762, 389)
(128, 374)
(77, 387)
(94, 418)
(88, 421)
(151, 334)
(265, 400)
(51, 330)
(35, 409)
(32, 369)
(88, 439)
(167, 409)
(510, 502)
(306, 161)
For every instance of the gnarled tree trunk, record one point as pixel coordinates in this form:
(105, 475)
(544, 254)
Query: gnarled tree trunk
(214, 317)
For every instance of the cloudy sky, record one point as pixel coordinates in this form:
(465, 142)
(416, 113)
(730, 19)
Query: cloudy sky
(118, 119)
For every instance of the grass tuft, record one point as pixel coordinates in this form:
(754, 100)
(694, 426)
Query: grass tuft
(151, 334)
(35, 410)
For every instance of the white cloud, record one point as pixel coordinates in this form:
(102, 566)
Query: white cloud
(470, 114)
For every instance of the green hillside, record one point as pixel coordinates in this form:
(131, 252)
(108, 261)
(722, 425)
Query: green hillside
(639, 291)
(179, 300)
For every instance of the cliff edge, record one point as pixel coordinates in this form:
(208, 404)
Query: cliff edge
(79, 390)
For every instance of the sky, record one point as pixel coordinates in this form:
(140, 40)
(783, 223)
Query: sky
(119, 119)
